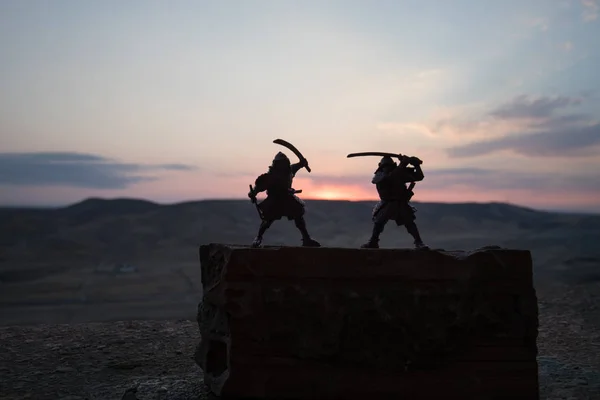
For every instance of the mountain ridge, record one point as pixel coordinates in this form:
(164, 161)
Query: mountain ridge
(134, 228)
(130, 201)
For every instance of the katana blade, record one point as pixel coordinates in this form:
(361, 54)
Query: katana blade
(293, 149)
(373, 153)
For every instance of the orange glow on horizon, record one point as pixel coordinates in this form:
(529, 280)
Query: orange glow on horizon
(314, 191)
(329, 195)
(339, 193)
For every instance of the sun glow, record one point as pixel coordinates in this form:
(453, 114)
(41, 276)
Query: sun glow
(330, 195)
(337, 192)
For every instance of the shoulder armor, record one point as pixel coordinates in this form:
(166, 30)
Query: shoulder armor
(262, 180)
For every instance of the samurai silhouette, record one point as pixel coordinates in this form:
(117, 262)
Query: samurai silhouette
(391, 182)
(281, 198)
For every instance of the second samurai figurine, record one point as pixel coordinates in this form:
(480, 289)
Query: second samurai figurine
(390, 179)
(281, 200)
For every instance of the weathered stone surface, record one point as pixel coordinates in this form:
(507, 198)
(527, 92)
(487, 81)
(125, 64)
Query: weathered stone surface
(289, 322)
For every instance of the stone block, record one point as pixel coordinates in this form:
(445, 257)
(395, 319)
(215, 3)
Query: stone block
(300, 323)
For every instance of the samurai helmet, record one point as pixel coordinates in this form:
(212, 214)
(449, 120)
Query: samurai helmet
(281, 157)
(280, 161)
(386, 162)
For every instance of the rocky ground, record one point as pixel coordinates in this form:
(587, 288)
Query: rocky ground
(569, 341)
(104, 360)
(100, 361)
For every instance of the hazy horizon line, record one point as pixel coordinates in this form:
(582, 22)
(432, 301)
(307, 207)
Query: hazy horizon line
(586, 211)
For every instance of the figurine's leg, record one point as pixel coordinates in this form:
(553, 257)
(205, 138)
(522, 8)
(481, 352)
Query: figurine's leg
(307, 241)
(264, 225)
(373, 242)
(411, 227)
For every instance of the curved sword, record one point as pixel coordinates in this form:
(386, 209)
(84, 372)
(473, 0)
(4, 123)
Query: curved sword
(382, 154)
(376, 153)
(293, 150)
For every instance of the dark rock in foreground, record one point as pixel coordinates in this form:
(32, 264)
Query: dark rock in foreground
(352, 323)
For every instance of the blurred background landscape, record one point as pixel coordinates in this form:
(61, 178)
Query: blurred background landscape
(103, 260)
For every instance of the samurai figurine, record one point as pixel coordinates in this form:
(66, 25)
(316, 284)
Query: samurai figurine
(281, 200)
(390, 180)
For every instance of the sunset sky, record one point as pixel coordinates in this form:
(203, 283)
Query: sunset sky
(181, 100)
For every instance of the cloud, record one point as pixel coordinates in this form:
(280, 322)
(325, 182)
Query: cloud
(561, 121)
(537, 128)
(75, 169)
(443, 122)
(489, 179)
(524, 114)
(550, 143)
(177, 167)
(524, 106)
(591, 10)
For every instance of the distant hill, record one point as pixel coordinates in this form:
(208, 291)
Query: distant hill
(130, 229)
(95, 208)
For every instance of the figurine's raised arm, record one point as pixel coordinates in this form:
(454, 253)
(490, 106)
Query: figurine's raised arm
(416, 173)
(406, 173)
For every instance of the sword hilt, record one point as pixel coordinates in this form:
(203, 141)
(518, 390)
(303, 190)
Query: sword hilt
(305, 162)
(306, 165)
(252, 195)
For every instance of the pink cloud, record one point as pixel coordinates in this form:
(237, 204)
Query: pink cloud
(456, 125)
(591, 10)
(536, 126)
(526, 125)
